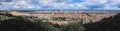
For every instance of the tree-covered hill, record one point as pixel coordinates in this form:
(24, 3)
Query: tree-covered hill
(19, 23)
(106, 24)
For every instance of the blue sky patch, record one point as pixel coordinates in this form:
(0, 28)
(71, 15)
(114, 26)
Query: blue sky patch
(59, 4)
(76, 1)
(5, 0)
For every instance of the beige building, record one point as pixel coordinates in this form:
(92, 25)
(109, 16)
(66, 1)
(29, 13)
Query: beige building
(93, 16)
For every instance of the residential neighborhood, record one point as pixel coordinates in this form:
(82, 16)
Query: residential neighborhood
(86, 17)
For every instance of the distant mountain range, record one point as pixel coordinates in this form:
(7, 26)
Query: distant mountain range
(111, 11)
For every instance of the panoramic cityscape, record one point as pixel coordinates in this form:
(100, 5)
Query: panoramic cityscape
(55, 19)
(59, 15)
(84, 15)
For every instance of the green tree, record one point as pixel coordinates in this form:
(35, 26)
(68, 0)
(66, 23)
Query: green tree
(73, 27)
(107, 24)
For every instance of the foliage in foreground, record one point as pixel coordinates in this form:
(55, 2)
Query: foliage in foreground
(24, 24)
(107, 24)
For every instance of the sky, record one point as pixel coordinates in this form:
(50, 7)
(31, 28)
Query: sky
(59, 4)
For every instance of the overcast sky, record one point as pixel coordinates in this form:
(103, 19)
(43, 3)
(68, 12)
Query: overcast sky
(59, 4)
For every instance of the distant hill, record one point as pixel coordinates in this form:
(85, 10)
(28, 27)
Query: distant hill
(106, 24)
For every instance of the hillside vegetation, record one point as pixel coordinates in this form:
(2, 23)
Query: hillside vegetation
(13, 23)
(19, 23)
(106, 24)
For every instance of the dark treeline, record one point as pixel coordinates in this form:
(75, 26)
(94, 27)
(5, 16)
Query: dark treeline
(19, 25)
(24, 24)
(106, 24)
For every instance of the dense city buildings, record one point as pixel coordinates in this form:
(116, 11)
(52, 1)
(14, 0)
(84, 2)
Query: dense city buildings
(78, 15)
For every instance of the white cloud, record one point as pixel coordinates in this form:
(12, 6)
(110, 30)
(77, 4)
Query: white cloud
(18, 4)
(81, 5)
(63, 4)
